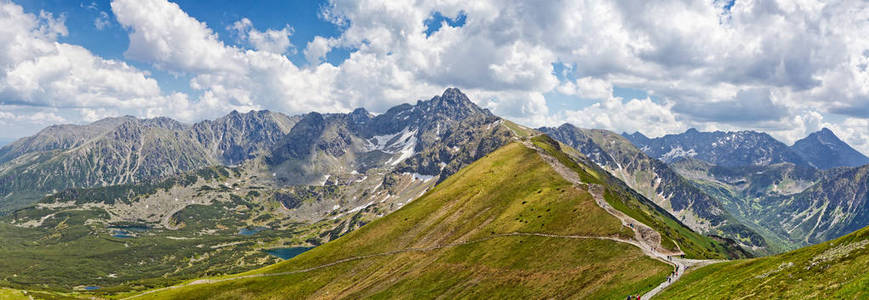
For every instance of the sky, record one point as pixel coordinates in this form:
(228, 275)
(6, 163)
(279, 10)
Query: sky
(783, 67)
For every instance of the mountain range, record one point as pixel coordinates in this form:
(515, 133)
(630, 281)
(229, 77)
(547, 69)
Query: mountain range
(821, 149)
(794, 196)
(436, 198)
(307, 179)
(657, 181)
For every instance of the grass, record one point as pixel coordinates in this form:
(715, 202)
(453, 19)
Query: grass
(622, 198)
(69, 252)
(518, 130)
(509, 190)
(10, 294)
(833, 270)
(13, 294)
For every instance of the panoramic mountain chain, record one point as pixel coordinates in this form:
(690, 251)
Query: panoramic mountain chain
(646, 238)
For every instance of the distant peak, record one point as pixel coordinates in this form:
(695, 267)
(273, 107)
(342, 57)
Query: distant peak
(454, 96)
(567, 125)
(692, 130)
(360, 115)
(360, 111)
(454, 103)
(825, 134)
(639, 134)
(453, 93)
(826, 131)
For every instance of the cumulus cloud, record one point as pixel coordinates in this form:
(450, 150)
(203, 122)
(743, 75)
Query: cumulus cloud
(752, 105)
(36, 70)
(274, 41)
(752, 65)
(162, 34)
(627, 116)
(587, 87)
(316, 50)
(784, 67)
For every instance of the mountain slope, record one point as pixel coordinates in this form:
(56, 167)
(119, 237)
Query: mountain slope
(748, 192)
(831, 208)
(832, 270)
(824, 150)
(657, 181)
(127, 150)
(390, 160)
(789, 201)
(729, 149)
(507, 225)
(435, 137)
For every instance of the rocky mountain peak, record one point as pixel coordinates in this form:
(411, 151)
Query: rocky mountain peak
(637, 138)
(825, 150)
(359, 116)
(452, 103)
(454, 95)
(826, 131)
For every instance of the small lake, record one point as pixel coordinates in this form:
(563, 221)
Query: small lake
(91, 288)
(251, 230)
(287, 253)
(122, 234)
(127, 231)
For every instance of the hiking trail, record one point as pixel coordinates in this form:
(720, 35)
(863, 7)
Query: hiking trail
(645, 238)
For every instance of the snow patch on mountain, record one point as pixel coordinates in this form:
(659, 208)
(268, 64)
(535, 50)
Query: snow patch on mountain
(678, 152)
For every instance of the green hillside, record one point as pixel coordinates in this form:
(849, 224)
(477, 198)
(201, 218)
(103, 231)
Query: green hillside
(507, 225)
(625, 199)
(834, 270)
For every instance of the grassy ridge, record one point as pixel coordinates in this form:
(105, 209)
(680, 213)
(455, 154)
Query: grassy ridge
(834, 269)
(510, 190)
(621, 197)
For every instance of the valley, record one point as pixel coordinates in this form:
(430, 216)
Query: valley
(414, 202)
(382, 149)
(458, 223)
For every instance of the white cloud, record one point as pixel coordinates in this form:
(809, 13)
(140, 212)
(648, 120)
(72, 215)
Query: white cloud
(36, 70)
(627, 116)
(316, 50)
(274, 41)
(162, 34)
(587, 87)
(782, 67)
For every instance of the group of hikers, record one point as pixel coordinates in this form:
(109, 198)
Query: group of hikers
(670, 279)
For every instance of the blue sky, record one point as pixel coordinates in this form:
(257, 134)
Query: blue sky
(111, 41)
(656, 67)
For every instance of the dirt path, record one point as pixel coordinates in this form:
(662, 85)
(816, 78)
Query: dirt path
(646, 238)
